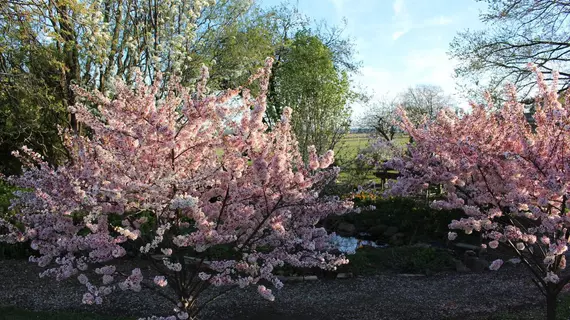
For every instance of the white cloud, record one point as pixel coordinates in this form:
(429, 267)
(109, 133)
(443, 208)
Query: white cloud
(338, 6)
(426, 66)
(401, 20)
(432, 66)
(377, 82)
(439, 21)
(398, 34)
(377, 79)
(405, 25)
(398, 7)
(435, 67)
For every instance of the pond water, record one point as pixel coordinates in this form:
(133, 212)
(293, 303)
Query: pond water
(349, 245)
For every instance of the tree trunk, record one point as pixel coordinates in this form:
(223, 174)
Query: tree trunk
(551, 301)
(71, 72)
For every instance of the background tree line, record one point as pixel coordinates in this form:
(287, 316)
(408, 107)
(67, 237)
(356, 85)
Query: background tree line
(420, 102)
(46, 46)
(516, 33)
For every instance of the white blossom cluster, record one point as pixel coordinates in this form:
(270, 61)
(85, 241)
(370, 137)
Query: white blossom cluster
(183, 202)
(158, 239)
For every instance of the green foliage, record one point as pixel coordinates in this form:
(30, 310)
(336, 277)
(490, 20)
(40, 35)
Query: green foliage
(17, 250)
(6, 193)
(413, 217)
(31, 99)
(233, 39)
(40, 59)
(306, 79)
(368, 261)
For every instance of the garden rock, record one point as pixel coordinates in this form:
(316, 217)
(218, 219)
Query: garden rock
(346, 229)
(476, 264)
(391, 231)
(470, 247)
(460, 266)
(397, 239)
(378, 231)
(469, 253)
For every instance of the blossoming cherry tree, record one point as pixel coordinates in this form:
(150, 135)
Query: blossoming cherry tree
(195, 182)
(509, 176)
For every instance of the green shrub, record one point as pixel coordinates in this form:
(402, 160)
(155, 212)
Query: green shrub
(414, 218)
(406, 259)
(6, 193)
(10, 251)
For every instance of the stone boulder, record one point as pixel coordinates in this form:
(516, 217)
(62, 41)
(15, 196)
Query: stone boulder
(345, 229)
(390, 231)
(378, 230)
(473, 262)
(460, 266)
(397, 239)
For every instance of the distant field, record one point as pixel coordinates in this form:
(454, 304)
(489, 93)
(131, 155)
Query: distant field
(349, 148)
(352, 143)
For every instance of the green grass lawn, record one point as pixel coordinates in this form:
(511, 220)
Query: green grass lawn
(348, 149)
(352, 143)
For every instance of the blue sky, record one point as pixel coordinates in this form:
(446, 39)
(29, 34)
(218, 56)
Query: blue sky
(401, 43)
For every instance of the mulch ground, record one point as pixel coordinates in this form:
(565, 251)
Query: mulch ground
(384, 296)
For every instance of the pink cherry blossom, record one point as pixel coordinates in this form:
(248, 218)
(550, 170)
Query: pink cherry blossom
(496, 265)
(88, 298)
(177, 173)
(509, 176)
(266, 293)
(551, 277)
(160, 281)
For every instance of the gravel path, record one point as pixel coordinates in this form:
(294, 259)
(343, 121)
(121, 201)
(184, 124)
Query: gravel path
(393, 297)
